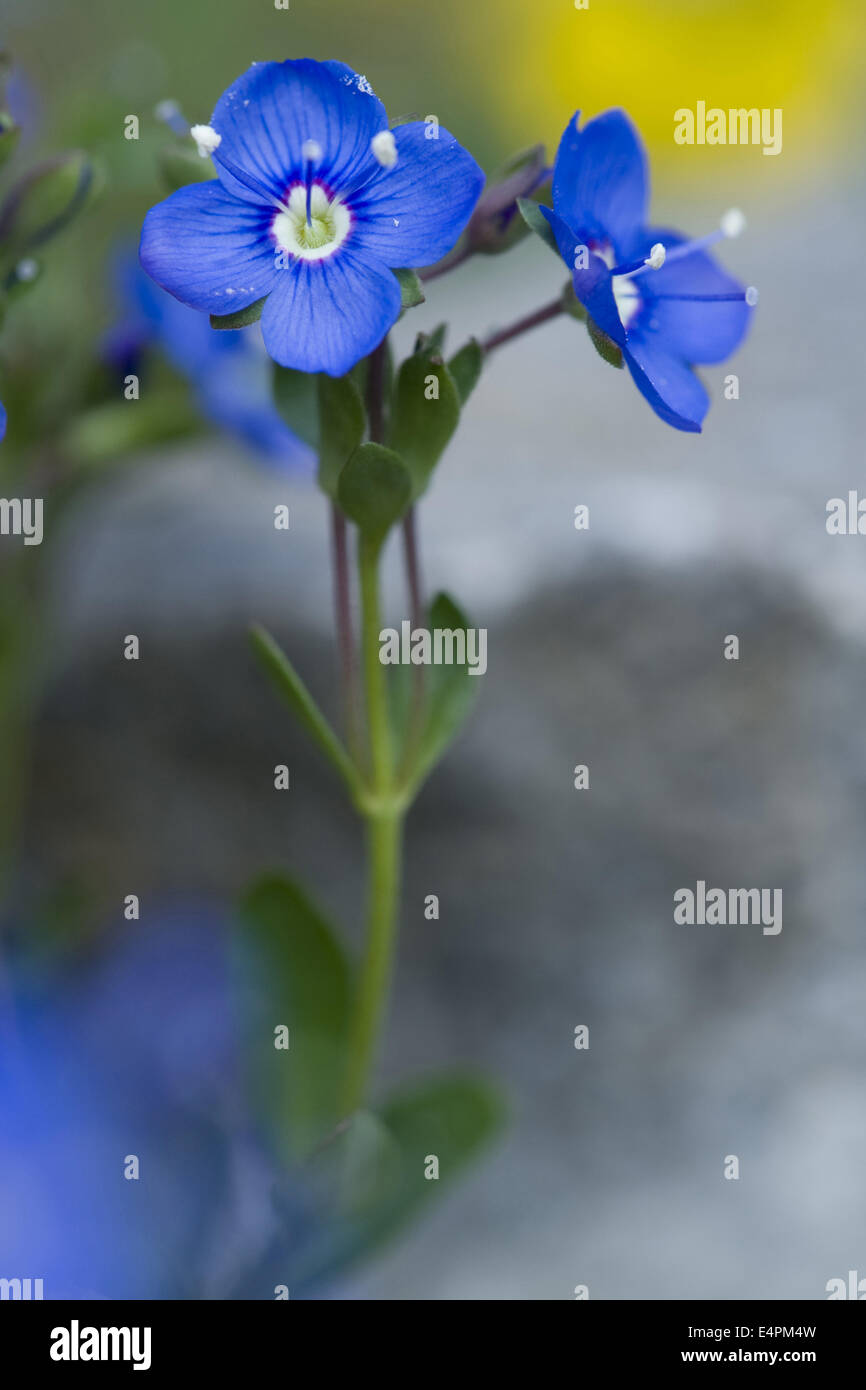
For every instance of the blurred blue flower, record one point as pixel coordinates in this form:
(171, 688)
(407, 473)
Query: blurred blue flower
(2, 420)
(316, 199)
(661, 298)
(135, 1055)
(229, 370)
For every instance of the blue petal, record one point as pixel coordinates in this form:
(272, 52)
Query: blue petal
(696, 332)
(413, 213)
(324, 316)
(593, 283)
(601, 181)
(672, 389)
(209, 250)
(265, 117)
(2, 420)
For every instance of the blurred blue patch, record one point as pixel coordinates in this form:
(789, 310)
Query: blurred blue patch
(228, 370)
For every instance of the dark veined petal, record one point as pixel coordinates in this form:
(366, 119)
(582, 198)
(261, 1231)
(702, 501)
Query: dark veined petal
(697, 332)
(324, 316)
(208, 250)
(671, 387)
(413, 213)
(593, 283)
(601, 180)
(266, 116)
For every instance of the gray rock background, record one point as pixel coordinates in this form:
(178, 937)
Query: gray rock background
(604, 648)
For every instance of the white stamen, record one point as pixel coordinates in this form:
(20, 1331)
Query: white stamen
(656, 258)
(312, 151)
(733, 223)
(384, 148)
(206, 139)
(751, 296)
(27, 269)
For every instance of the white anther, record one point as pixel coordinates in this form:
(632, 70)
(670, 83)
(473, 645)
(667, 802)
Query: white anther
(656, 258)
(751, 296)
(733, 223)
(206, 139)
(384, 148)
(312, 151)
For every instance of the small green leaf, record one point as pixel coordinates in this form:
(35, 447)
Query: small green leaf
(411, 289)
(433, 344)
(44, 201)
(374, 490)
(342, 419)
(571, 303)
(465, 368)
(604, 346)
(241, 318)
(293, 974)
(297, 400)
(452, 693)
(9, 135)
(425, 415)
(302, 704)
(451, 1118)
(360, 1164)
(181, 163)
(537, 222)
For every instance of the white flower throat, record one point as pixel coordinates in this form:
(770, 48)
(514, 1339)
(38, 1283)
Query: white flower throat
(320, 236)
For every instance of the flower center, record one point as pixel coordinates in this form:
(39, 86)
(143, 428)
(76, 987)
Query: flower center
(319, 236)
(625, 292)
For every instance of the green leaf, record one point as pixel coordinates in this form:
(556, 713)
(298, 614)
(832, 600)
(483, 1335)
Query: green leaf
(9, 135)
(425, 415)
(181, 163)
(374, 490)
(411, 289)
(44, 201)
(571, 303)
(451, 1118)
(302, 704)
(465, 368)
(297, 400)
(241, 318)
(604, 346)
(342, 419)
(452, 693)
(360, 1164)
(432, 344)
(292, 973)
(537, 222)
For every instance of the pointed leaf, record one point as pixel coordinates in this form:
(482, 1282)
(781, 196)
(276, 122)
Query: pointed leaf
(426, 414)
(465, 368)
(242, 318)
(374, 490)
(411, 289)
(297, 400)
(302, 704)
(293, 974)
(452, 693)
(341, 427)
(537, 222)
(604, 346)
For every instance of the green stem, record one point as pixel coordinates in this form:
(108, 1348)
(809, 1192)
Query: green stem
(384, 843)
(383, 811)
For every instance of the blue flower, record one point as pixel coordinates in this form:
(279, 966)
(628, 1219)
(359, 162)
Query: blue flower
(2, 420)
(660, 297)
(228, 370)
(315, 202)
